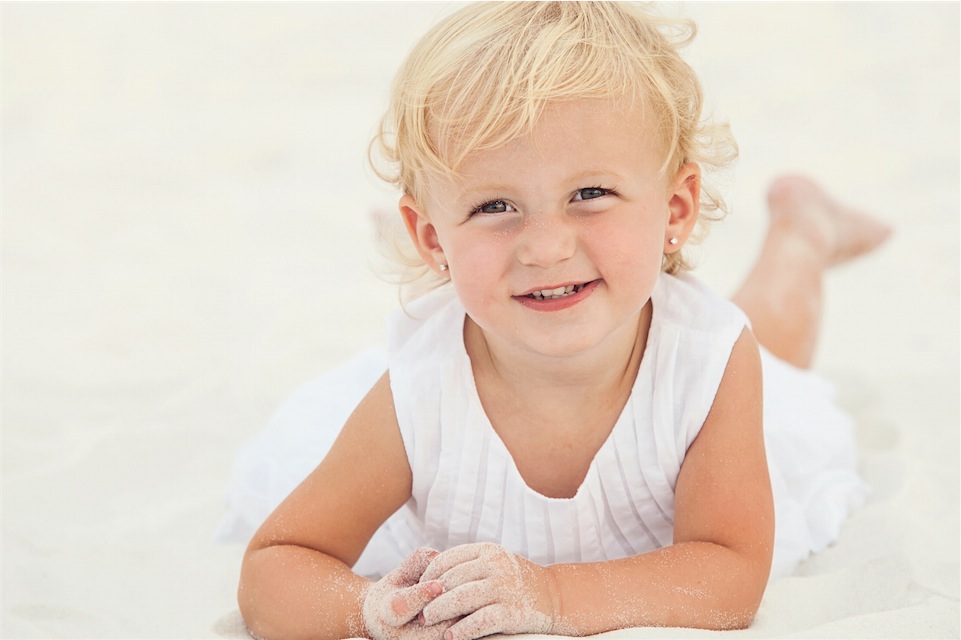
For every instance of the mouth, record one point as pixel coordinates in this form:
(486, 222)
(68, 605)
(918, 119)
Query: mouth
(556, 293)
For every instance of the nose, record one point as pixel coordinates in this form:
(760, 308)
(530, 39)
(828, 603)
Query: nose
(546, 240)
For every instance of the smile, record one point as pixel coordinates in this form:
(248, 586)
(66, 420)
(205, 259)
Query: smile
(558, 298)
(559, 292)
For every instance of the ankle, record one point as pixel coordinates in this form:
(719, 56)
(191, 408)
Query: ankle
(800, 209)
(799, 242)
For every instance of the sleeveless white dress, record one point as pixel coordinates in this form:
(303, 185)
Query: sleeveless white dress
(466, 487)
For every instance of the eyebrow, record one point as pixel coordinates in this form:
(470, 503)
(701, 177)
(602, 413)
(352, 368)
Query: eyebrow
(500, 187)
(471, 193)
(584, 175)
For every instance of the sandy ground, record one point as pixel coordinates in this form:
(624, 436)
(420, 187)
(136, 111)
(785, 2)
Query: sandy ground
(185, 240)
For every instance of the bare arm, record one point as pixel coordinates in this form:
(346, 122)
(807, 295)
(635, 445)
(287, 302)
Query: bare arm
(713, 576)
(715, 573)
(296, 580)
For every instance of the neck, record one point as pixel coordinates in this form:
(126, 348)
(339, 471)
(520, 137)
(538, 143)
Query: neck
(609, 368)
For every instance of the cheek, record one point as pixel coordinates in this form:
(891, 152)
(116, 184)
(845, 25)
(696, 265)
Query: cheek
(627, 244)
(477, 266)
(477, 249)
(464, 256)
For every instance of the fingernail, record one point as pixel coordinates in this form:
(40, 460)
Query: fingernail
(422, 620)
(448, 635)
(436, 588)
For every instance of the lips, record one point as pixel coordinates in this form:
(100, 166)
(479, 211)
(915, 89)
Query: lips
(557, 297)
(557, 292)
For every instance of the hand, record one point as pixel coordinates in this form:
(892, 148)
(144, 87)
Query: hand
(393, 604)
(488, 590)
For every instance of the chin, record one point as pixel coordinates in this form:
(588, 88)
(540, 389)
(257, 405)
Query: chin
(564, 348)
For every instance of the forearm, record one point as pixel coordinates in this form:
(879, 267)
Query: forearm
(289, 592)
(694, 584)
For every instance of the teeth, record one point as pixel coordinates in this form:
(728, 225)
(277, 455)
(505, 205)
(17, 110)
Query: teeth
(559, 292)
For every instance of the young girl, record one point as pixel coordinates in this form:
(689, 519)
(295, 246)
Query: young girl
(568, 436)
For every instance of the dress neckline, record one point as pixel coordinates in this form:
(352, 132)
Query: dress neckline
(604, 452)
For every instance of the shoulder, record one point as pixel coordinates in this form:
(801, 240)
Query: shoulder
(697, 328)
(413, 325)
(693, 336)
(735, 416)
(425, 344)
(688, 304)
(424, 340)
(723, 493)
(429, 369)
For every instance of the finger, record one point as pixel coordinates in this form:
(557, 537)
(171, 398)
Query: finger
(491, 619)
(416, 631)
(462, 601)
(412, 568)
(449, 559)
(408, 603)
(470, 571)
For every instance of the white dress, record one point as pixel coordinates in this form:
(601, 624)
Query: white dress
(466, 487)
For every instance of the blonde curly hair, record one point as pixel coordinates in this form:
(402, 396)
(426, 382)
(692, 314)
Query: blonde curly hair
(483, 76)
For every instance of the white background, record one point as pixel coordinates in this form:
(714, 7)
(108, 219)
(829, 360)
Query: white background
(185, 239)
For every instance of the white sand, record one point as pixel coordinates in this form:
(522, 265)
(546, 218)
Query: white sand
(185, 240)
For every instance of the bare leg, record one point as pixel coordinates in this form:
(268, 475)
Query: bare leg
(809, 233)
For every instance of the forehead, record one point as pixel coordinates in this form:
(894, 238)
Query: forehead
(582, 121)
(572, 142)
(573, 134)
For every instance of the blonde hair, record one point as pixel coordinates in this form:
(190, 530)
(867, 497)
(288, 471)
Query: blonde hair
(483, 76)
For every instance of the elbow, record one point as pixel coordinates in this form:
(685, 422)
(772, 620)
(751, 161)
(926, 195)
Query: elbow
(251, 625)
(745, 587)
(739, 620)
(728, 619)
(247, 601)
(256, 621)
(736, 613)
(248, 611)
(736, 606)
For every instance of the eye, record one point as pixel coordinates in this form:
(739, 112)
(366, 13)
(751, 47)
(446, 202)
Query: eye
(494, 206)
(591, 193)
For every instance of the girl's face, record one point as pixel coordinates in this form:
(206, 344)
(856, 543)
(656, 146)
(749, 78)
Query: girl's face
(554, 241)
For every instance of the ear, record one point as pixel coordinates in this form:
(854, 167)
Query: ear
(684, 206)
(422, 233)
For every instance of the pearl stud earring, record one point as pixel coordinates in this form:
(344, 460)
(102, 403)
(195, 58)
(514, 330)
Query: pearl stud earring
(672, 241)
(442, 267)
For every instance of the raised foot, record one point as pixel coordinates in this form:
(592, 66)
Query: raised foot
(800, 207)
